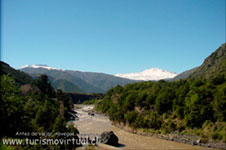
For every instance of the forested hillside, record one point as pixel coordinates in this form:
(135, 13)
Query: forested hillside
(19, 76)
(39, 112)
(196, 105)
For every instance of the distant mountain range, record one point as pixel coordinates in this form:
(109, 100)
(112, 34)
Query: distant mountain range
(89, 82)
(76, 81)
(149, 74)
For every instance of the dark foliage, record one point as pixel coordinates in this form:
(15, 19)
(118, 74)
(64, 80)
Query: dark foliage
(35, 112)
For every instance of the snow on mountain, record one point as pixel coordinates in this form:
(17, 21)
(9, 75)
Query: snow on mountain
(146, 75)
(40, 66)
(149, 74)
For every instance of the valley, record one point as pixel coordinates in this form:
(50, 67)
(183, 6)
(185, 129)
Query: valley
(190, 105)
(97, 124)
(113, 74)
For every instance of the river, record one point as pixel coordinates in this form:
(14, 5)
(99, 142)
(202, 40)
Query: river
(97, 124)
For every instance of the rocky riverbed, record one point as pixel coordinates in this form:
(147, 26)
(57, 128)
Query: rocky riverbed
(96, 124)
(187, 139)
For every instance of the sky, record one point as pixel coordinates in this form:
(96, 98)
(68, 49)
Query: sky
(111, 36)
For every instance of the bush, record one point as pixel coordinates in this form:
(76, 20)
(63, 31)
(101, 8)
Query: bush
(154, 121)
(217, 136)
(131, 117)
(204, 140)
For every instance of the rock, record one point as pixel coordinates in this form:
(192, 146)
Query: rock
(108, 137)
(198, 141)
(171, 137)
(194, 143)
(91, 113)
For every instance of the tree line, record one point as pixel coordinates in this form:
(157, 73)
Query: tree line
(197, 105)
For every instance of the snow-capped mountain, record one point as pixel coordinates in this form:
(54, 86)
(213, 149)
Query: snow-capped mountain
(40, 66)
(149, 74)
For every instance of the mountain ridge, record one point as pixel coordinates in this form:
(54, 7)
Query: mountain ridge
(213, 65)
(87, 82)
(184, 75)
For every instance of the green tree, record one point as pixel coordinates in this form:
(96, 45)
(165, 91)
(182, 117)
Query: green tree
(164, 100)
(44, 85)
(131, 117)
(59, 124)
(11, 107)
(220, 103)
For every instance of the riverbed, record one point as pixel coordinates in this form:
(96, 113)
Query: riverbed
(96, 124)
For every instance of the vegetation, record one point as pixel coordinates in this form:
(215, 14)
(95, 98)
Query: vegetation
(45, 111)
(169, 106)
(64, 85)
(19, 76)
(79, 98)
(88, 102)
(196, 104)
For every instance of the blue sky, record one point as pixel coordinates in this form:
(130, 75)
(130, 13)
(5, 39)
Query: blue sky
(111, 36)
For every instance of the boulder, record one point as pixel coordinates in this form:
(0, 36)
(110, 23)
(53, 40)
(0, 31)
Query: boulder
(198, 141)
(91, 113)
(108, 137)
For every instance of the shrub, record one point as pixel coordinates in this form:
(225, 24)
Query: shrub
(217, 136)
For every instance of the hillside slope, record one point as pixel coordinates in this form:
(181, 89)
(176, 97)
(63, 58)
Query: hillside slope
(87, 82)
(193, 106)
(64, 85)
(184, 75)
(213, 65)
(19, 76)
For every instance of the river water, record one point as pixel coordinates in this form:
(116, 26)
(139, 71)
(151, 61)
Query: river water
(97, 124)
